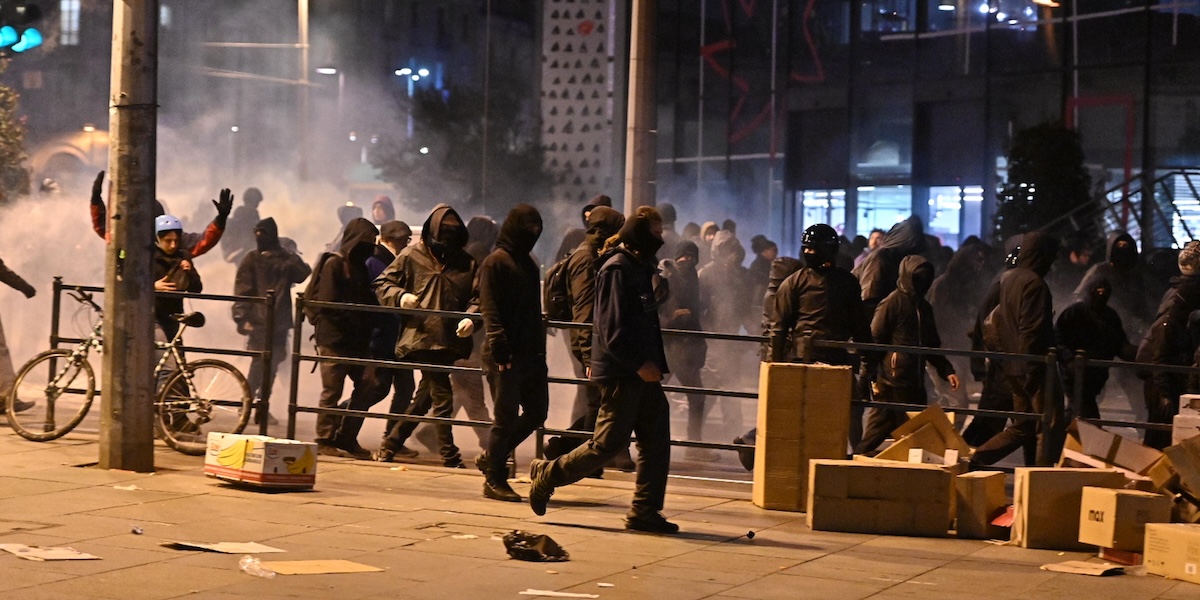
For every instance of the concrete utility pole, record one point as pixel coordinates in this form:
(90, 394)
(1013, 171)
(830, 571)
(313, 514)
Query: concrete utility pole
(302, 27)
(127, 387)
(640, 150)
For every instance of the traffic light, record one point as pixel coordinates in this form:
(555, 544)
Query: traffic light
(16, 31)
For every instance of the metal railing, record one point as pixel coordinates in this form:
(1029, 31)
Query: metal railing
(263, 403)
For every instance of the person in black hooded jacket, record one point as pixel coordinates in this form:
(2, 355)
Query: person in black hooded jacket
(1095, 329)
(7, 375)
(1168, 342)
(344, 333)
(628, 363)
(1023, 323)
(514, 346)
(687, 354)
(575, 235)
(435, 274)
(268, 267)
(904, 318)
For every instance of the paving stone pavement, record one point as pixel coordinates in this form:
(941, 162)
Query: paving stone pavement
(406, 519)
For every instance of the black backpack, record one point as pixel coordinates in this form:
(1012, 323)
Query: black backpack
(310, 290)
(556, 292)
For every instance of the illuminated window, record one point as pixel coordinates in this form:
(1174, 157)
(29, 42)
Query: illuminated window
(69, 29)
(164, 15)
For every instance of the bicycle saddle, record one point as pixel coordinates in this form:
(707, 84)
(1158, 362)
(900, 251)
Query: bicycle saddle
(192, 319)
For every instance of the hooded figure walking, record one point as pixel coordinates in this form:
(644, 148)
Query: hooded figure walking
(904, 318)
(1092, 327)
(435, 274)
(1023, 323)
(514, 345)
(628, 363)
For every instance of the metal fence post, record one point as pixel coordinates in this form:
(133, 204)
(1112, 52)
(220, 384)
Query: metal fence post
(807, 350)
(1050, 410)
(268, 370)
(1079, 365)
(55, 310)
(294, 387)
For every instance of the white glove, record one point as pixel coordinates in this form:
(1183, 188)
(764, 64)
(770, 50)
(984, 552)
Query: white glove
(409, 301)
(465, 328)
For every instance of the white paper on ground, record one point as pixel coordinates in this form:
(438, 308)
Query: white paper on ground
(550, 594)
(1080, 567)
(223, 547)
(42, 554)
(318, 567)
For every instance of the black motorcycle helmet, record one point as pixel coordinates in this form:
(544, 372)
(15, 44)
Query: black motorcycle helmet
(820, 242)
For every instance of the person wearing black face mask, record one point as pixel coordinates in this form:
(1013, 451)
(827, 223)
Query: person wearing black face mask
(628, 363)
(904, 318)
(269, 267)
(436, 274)
(514, 345)
(1024, 324)
(1091, 326)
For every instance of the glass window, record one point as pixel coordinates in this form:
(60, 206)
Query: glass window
(1024, 35)
(952, 39)
(881, 207)
(887, 40)
(823, 206)
(1175, 29)
(954, 212)
(69, 22)
(883, 132)
(164, 15)
(1110, 31)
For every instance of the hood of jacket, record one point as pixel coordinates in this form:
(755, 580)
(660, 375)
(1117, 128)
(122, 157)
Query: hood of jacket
(603, 223)
(520, 231)
(358, 240)
(444, 231)
(483, 231)
(783, 267)
(727, 250)
(916, 276)
(636, 234)
(600, 200)
(266, 235)
(904, 238)
(1122, 258)
(1038, 253)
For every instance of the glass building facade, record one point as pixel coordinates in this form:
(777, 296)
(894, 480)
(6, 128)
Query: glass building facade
(785, 113)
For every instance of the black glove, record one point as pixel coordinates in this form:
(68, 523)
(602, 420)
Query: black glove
(29, 291)
(224, 205)
(97, 188)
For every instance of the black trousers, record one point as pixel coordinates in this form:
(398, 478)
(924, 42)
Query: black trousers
(882, 421)
(381, 382)
(996, 396)
(1162, 404)
(436, 394)
(690, 377)
(333, 383)
(628, 405)
(1029, 395)
(522, 399)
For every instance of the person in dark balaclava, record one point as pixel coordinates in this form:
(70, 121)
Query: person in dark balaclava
(238, 239)
(343, 277)
(1168, 342)
(686, 354)
(1092, 327)
(483, 232)
(268, 267)
(904, 318)
(628, 363)
(575, 235)
(435, 274)
(1024, 324)
(670, 237)
(345, 214)
(603, 223)
(514, 346)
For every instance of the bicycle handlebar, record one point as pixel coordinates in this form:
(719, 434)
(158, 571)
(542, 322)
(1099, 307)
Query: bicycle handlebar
(83, 297)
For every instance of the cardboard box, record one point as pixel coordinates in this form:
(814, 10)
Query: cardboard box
(1047, 502)
(931, 431)
(980, 498)
(1110, 449)
(883, 497)
(1185, 460)
(1121, 557)
(1117, 519)
(803, 413)
(261, 461)
(1189, 404)
(1184, 427)
(1173, 551)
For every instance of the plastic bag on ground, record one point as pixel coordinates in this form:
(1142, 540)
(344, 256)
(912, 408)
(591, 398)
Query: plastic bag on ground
(534, 547)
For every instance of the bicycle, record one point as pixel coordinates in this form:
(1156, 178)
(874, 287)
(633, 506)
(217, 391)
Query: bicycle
(194, 398)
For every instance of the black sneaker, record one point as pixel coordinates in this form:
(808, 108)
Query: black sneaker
(22, 405)
(651, 523)
(455, 464)
(405, 452)
(481, 463)
(327, 449)
(500, 491)
(540, 489)
(745, 456)
(355, 451)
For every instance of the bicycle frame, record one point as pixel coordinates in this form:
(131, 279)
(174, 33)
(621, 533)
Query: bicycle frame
(53, 387)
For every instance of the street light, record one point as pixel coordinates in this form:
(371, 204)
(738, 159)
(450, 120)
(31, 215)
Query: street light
(341, 75)
(404, 71)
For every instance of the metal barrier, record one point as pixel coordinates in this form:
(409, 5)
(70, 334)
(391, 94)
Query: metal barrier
(1079, 363)
(263, 403)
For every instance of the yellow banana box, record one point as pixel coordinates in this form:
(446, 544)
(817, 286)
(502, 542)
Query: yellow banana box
(261, 461)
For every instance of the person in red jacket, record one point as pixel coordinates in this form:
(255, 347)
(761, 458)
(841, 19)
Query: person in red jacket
(195, 243)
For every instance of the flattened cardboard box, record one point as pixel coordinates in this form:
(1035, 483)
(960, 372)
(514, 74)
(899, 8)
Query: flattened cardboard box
(261, 461)
(884, 497)
(1111, 518)
(1173, 551)
(803, 413)
(1047, 500)
(1184, 427)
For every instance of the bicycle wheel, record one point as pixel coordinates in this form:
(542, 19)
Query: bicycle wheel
(55, 392)
(205, 396)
